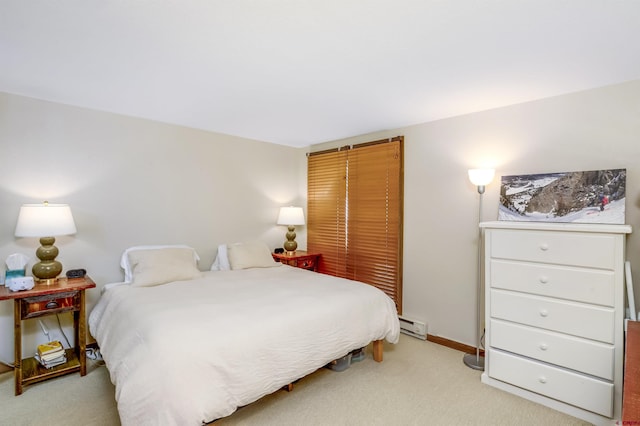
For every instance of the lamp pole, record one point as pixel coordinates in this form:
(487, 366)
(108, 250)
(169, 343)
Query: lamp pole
(480, 178)
(477, 362)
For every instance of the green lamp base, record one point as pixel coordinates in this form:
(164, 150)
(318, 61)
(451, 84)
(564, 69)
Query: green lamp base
(48, 268)
(290, 245)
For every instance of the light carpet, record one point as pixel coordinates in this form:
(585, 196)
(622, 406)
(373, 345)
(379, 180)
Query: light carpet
(419, 383)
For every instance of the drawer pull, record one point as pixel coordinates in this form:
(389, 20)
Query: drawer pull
(544, 312)
(544, 279)
(51, 305)
(542, 379)
(544, 346)
(544, 246)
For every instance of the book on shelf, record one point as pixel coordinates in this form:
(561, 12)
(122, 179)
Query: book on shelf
(50, 348)
(51, 354)
(52, 363)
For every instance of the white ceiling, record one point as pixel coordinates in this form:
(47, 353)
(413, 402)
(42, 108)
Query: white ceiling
(299, 72)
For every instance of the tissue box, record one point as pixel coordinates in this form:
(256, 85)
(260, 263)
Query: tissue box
(20, 283)
(11, 276)
(13, 273)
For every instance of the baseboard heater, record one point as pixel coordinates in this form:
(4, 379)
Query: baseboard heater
(413, 328)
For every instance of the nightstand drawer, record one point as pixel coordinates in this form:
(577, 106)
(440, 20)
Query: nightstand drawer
(577, 319)
(300, 259)
(306, 263)
(31, 307)
(582, 355)
(560, 248)
(576, 389)
(580, 284)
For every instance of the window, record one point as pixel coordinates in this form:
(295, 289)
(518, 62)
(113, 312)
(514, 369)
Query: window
(354, 213)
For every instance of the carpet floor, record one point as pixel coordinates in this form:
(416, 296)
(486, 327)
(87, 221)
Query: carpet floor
(419, 383)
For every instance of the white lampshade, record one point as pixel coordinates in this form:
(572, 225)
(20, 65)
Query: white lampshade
(45, 220)
(481, 177)
(291, 216)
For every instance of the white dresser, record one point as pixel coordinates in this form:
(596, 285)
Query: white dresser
(555, 315)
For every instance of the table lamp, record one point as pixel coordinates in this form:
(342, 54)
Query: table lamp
(291, 216)
(45, 221)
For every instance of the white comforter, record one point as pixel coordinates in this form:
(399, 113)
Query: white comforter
(190, 352)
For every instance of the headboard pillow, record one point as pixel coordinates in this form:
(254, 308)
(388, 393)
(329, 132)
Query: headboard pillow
(154, 267)
(254, 254)
(126, 265)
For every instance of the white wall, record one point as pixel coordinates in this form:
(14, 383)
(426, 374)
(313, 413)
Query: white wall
(131, 181)
(596, 129)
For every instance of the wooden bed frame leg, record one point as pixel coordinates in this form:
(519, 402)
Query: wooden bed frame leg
(378, 348)
(288, 387)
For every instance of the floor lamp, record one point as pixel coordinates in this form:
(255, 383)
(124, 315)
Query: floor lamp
(480, 178)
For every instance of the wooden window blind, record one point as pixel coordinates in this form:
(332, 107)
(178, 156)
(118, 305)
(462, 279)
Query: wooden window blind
(355, 201)
(326, 210)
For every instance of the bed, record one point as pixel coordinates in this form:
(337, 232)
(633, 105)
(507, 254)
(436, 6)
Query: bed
(185, 347)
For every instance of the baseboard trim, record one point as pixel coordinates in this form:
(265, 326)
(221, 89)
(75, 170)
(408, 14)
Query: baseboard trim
(453, 344)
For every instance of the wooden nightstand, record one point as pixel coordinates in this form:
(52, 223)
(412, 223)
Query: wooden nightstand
(299, 259)
(66, 295)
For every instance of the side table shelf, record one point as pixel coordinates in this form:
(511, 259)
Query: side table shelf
(66, 295)
(33, 372)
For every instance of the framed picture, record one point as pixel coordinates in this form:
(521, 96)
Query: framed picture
(595, 196)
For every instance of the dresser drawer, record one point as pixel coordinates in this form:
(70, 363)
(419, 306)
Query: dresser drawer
(560, 248)
(583, 285)
(573, 388)
(563, 350)
(577, 319)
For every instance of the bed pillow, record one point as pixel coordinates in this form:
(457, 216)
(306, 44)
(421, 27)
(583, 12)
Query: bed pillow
(154, 267)
(124, 260)
(253, 254)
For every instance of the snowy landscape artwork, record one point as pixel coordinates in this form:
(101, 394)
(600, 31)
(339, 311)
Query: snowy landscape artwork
(596, 196)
